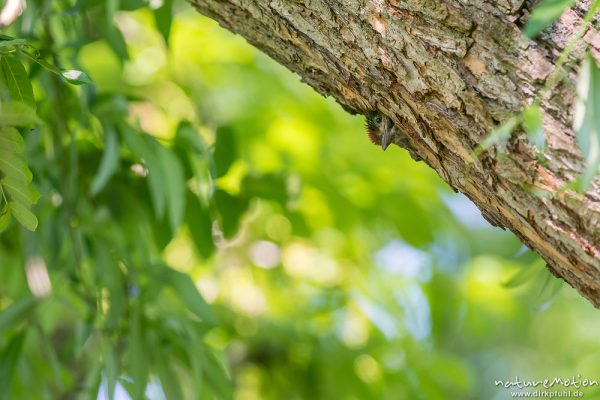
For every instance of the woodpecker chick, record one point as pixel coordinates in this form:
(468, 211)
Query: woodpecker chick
(380, 129)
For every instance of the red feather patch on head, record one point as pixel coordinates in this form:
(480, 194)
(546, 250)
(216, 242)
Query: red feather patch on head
(373, 137)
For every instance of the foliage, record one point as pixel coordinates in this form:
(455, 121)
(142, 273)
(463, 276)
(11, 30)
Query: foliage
(169, 156)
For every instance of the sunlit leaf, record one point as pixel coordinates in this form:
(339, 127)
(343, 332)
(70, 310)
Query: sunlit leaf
(11, 140)
(14, 167)
(17, 114)
(76, 77)
(23, 215)
(15, 181)
(545, 14)
(19, 191)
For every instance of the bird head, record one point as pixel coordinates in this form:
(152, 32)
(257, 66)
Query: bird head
(379, 129)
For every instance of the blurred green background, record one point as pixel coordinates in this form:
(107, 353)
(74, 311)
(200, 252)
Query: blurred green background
(331, 269)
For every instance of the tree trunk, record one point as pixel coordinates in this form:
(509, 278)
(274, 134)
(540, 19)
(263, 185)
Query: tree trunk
(447, 72)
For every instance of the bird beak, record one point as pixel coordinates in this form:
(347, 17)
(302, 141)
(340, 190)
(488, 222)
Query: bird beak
(386, 139)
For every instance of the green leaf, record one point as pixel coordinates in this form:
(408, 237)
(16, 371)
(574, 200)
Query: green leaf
(156, 184)
(111, 107)
(91, 384)
(111, 33)
(111, 367)
(268, 186)
(16, 312)
(586, 122)
(14, 77)
(9, 359)
(548, 291)
(17, 114)
(200, 225)
(188, 138)
(19, 191)
(132, 5)
(41, 62)
(225, 151)
(168, 379)
(184, 288)
(231, 209)
(196, 361)
(4, 219)
(16, 178)
(175, 186)
(113, 36)
(109, 163)
(216, 373)
(14, 167)
(112, 6)
(532, 123)
(163, 17)
(76, 77)
(524, 275)
(146, 147)
(137, 354)
(23, 215)
(112, 278)
(11, 140)
(13, 42)
(498, 136)
(545, 14)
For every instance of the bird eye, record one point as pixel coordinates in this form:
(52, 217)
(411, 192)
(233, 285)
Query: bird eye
(378, 119)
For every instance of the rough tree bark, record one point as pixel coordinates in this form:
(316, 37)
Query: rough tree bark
(447, 72)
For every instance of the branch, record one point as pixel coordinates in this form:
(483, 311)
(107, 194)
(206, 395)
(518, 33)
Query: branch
(448, 72)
